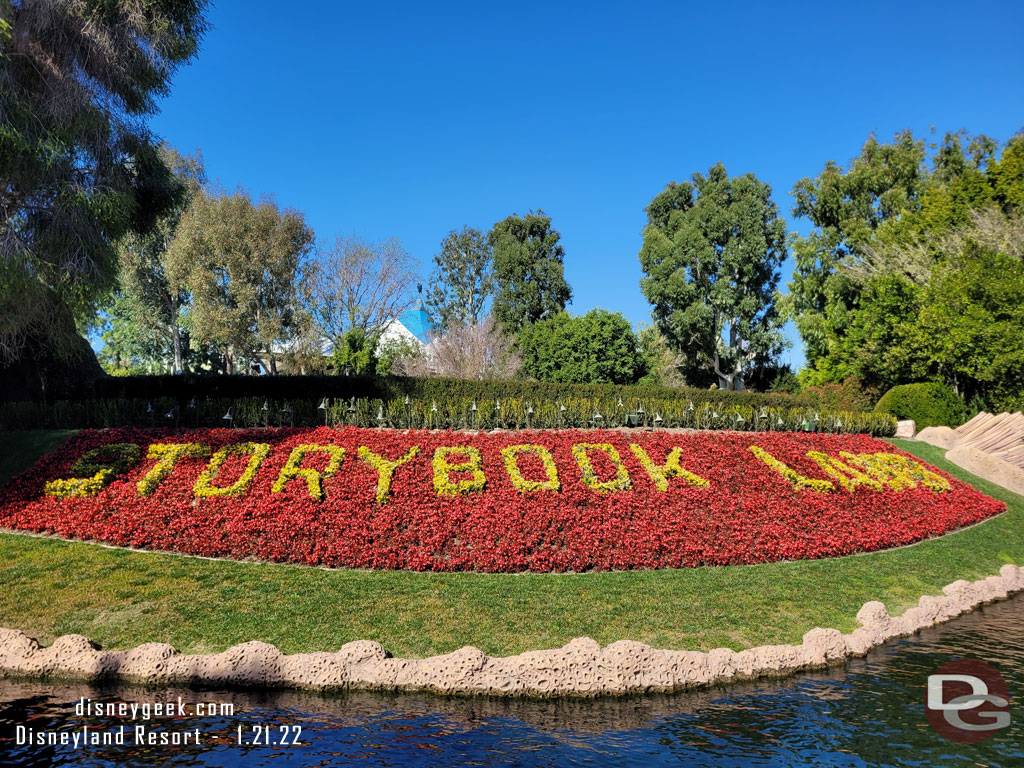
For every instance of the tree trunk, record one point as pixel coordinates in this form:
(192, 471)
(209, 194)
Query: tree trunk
(176, 341)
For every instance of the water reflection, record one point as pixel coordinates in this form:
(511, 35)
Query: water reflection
(867, 713)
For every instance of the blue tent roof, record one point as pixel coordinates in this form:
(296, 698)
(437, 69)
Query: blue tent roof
(417, 322)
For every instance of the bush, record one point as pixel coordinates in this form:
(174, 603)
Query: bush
(929, 404)
(442, 404)
(851, 395)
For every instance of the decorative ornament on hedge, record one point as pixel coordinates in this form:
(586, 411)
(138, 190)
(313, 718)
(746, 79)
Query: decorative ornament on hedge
(256, 452)
(510, 456)
(444, 468)
(314, 479)
(621, 481)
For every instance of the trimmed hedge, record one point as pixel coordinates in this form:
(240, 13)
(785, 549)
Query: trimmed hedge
(183, 388)
(449, 410)
(929, 404)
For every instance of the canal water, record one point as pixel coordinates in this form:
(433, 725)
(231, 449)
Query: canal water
(868, 713)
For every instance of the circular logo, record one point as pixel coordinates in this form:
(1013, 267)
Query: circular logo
(967, 701)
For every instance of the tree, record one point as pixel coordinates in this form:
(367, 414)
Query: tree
(79, 168)
(240, 262)
(461, 282)
(129, 347)
(355, 352)
(358, 284)
(600, 346)
(929, 290)
(480, 351)
(529, 277)
(663, 366)
(972, 313)
(153, 287)
(874, 219)
(711, 255)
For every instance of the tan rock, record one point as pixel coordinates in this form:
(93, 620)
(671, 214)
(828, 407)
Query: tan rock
(941, 437)
(905, 429)
(990, 467)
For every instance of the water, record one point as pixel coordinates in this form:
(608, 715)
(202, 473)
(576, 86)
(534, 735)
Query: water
(868, 713)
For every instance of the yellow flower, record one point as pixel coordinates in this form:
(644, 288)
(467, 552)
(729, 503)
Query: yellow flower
(314, 480)
(621, 482)
(798, 481)
(257, 452)
(79, 487)
(385, 469)
(167, 455)
(443, 469)
(510, 455)
(660, 473)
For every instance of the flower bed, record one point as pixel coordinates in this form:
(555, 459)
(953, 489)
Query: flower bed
(448, 501)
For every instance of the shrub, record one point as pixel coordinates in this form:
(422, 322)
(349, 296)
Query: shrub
(851, 395)
(929, 404)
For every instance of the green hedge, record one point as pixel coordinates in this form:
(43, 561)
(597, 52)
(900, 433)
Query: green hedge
(449, 410)
(184, 388)
(929, 404)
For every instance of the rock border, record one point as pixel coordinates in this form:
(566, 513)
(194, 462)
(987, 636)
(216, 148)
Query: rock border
(581, 668)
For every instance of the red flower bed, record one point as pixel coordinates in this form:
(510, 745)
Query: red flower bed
(585, 500)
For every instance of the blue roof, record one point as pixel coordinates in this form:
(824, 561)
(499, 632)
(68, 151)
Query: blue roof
(417, 322)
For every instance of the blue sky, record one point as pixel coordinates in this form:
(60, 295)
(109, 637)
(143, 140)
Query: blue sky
(410, 119)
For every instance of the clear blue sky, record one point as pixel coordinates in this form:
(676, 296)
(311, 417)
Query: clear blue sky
(410, 119)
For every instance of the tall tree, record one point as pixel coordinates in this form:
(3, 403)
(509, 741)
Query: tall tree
(529, 276)
(240, 262)
(153, 286)
(78, 168)
(358, 285)
(461, 282)
(599, 347)
(711, 254)
(905, 225)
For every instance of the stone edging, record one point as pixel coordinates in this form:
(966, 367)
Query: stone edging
(581, 668)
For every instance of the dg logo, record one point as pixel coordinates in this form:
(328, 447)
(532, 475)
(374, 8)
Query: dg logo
(967, 701)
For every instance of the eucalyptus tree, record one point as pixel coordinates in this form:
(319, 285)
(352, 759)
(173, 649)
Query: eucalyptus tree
(529, 275)
(461, 282)
(240, 262)
(711, 255)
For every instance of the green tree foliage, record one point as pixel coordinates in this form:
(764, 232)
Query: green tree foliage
(711, 255)
(599, 347)
(461, 282)
(846, 207)
(972, 316)
(79, 167)
(927, 291)
(152, 276)
(355, 352)
(529, 278)
(241, 270)
(661, 364)
(129, 347)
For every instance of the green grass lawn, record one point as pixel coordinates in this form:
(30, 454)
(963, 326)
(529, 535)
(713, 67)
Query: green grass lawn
(120, 598)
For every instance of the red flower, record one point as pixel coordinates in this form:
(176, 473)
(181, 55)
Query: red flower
(746, 512)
